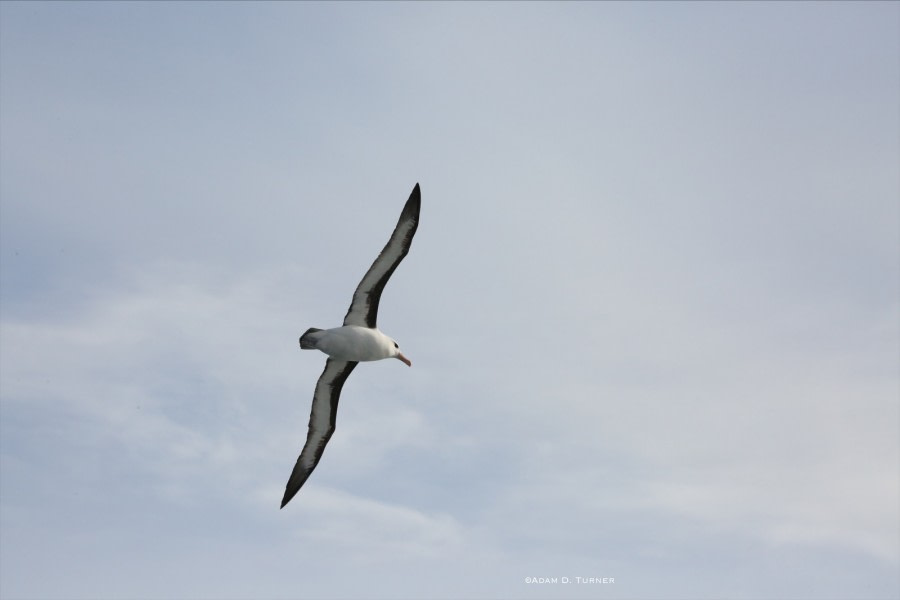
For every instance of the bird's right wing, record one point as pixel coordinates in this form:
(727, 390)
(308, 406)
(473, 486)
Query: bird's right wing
(363, 309)
(321, 423)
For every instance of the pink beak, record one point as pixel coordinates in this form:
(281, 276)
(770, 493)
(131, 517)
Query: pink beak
(404, 359)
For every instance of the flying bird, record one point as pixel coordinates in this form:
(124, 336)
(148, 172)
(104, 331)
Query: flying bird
(357, 340)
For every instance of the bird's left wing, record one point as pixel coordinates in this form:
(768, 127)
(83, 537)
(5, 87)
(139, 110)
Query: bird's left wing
(321, 423)
(364, 307)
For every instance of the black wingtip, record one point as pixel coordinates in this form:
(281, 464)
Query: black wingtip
(289, 493)
(414, 202)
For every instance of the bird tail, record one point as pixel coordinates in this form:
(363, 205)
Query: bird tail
(308, 340)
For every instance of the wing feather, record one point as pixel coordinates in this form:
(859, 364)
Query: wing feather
(321, 423)
(363, 309)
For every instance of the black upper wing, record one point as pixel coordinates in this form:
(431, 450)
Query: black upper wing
(364, 307)
(321, 423)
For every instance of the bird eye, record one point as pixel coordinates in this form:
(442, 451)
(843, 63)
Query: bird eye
(395, 345)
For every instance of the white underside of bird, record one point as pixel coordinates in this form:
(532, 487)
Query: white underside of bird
(354, 343)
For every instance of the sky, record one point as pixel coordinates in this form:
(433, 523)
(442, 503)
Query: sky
(652, 306)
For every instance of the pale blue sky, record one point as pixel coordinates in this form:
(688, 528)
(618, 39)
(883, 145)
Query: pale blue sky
(652, 306)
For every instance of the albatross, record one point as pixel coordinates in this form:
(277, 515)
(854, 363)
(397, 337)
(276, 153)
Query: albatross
(357, 340)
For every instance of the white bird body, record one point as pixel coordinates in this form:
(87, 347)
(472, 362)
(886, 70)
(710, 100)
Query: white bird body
(355, 343)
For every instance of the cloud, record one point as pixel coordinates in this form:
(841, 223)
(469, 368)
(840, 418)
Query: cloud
(185, 388)
(652, 304)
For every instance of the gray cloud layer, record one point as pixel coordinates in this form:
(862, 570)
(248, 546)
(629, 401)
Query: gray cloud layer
(652, 304)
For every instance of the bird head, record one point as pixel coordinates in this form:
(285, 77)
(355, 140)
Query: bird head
(395, 353)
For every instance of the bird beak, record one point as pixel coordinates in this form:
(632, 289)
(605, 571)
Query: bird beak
(404, 359)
